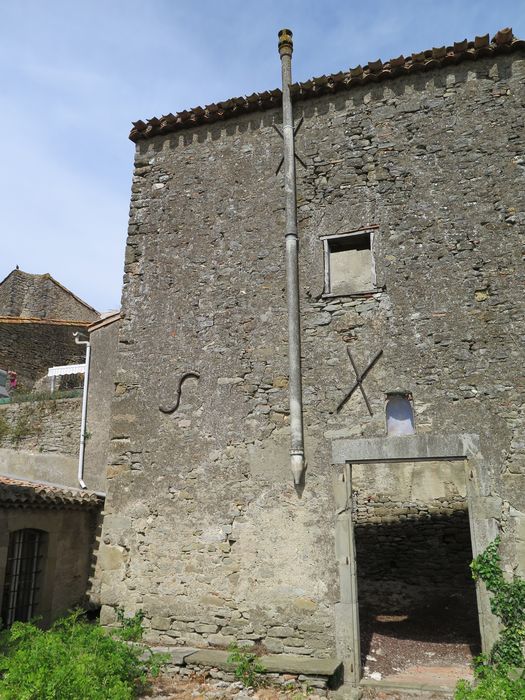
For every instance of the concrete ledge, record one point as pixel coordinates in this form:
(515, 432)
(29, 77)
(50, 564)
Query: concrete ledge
(406, 448)
(272, 663)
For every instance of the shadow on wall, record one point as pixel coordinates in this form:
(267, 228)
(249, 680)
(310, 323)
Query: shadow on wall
(414, 580)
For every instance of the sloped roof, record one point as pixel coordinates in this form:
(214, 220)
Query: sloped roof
(47, 276)
(106, 320)
(374, 71)
(19, 320)
(18, 493)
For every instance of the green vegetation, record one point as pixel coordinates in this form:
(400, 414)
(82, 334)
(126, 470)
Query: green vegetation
(4, 429)
(500, 675)
(24, 396)
(491, 684)
(130, 627)
(247, 668)
(74, 660)
(21, 429)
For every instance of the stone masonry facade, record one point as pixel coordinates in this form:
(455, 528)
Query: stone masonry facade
(45, 426)
(203, 529)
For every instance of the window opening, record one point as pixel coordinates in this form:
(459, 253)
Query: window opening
(399, 413)
(23, 575)
(349, 263)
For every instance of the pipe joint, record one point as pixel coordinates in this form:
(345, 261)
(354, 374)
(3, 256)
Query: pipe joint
(285, 42)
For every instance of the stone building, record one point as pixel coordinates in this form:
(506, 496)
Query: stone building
(411, 209)
(49, 524)
(38, 317)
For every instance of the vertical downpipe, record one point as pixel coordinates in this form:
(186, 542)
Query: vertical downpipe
(83, 419)
(292, 268)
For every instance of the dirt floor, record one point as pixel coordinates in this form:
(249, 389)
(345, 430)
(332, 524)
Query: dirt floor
(434, 645)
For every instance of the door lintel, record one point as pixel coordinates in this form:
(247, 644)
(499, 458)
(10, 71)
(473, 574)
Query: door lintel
(406, 448)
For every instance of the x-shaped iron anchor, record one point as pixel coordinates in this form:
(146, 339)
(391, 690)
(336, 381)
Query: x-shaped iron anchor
(296, 129)
(359, 380)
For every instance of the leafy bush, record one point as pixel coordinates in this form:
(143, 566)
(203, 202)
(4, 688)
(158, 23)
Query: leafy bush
(492, 684)
(130, 627)
(496, 675)
(247, 669)
(74, 660)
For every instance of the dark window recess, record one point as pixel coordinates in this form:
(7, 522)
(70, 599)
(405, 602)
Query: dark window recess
(349, 263)
(23, 575)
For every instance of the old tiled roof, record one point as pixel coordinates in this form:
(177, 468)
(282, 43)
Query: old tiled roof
(20, 320)
(503, 42)
(106, 320)
(17, 493)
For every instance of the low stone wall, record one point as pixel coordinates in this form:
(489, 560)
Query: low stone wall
(219, 629)
(43, 426)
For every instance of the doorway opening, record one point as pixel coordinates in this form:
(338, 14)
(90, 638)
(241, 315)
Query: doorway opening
(417, 600)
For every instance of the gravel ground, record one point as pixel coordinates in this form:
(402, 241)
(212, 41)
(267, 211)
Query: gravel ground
(202, 688)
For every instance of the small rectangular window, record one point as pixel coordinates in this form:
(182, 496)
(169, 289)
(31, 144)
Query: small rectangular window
(349, 263)
(22, 575)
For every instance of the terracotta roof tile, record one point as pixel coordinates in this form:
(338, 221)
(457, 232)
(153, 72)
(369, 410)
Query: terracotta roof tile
(17, 493)
(503, 42)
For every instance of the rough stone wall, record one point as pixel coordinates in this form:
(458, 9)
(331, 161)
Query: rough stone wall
(30, 349)
(204, 529)
(414, 555)
(67, 562)
(412, 533)
(44, 426)
(38, 296)
(101, 388)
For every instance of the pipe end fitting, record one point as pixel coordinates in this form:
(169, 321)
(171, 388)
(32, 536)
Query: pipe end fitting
(285, 42)
(298, 466)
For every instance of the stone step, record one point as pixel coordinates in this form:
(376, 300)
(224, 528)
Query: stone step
(392, 690)
(272, 663)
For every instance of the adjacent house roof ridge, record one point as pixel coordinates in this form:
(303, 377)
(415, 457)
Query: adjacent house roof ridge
(13, 320)
(503, 42)
(47, 276)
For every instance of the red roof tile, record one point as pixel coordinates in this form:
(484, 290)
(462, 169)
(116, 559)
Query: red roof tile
(18, 493)
(502, 42)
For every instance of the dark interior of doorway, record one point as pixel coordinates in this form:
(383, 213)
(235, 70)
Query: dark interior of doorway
(417, 600)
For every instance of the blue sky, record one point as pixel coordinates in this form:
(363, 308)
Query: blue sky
(75, 74)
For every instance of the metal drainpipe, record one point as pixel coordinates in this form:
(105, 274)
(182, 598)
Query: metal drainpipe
(84, 410)
(292, 271)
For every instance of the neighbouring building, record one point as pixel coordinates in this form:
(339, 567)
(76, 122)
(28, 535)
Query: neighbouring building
(50, 525)
(38, 317)
(47, 536)
(411, 212)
